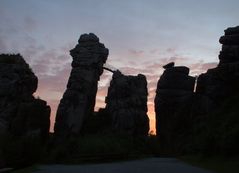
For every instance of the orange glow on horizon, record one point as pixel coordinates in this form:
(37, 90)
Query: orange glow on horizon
(151, 115)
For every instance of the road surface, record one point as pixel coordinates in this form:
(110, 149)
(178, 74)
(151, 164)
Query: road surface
(149, 165)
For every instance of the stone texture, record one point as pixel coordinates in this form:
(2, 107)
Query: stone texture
(221, 82)
(20, 112)
(126, 102)
(78, 101)
(230, 47)
(181, 115)
(174, 91)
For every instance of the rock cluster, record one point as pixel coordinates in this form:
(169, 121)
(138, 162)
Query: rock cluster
(221, 82)
(78, 101)
(174, 89)
(21, 113)
(230, 50)
(182, 114)
(126, 103)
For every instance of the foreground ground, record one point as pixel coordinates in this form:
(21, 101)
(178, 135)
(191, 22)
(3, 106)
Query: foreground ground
(149, 165)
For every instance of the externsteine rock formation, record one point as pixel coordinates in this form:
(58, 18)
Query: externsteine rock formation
(126, 103)
(78, 101)
(21, 113)
(221, 82)
(183, 116)
(174, 89)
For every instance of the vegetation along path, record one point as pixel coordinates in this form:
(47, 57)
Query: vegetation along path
(149, 165)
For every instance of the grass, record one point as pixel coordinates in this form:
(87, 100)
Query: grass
(216, 164)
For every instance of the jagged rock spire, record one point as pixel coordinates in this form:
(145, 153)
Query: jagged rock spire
(78, 101)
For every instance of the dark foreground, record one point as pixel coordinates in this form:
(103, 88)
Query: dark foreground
(150, 165)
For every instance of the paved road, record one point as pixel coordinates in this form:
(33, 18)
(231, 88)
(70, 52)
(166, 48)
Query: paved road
(149, 165)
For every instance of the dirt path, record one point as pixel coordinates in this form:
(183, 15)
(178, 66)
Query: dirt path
(149, 165)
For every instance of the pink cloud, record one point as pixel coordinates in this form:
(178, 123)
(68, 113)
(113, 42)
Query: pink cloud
(135, 70)
(171, 50)
(106, 75)
(60, 65)
(201, 67)
(152, 78)
(51, 89)
(68, 46)
(136, 52)
(56, 82)
(207, 66)
(154, 51)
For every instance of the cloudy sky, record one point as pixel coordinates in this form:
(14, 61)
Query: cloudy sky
(142, 35)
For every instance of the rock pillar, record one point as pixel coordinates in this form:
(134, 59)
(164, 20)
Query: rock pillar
(78, 101)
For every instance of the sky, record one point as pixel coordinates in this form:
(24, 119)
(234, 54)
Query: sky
(141, 35)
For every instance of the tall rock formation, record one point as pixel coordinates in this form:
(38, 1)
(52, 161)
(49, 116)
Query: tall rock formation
(126, 103)
(223, 81)
(78, 101)
(174, 90)
(192, 122)
(21, 113)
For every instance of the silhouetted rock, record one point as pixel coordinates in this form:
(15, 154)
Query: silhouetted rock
(98, 123)
(20, 112)
(182, 116)
(22, 116)
(229, 39)
(169, 65)
(232, 30)
(126, 102)
(230, 47)
(221, 82)
(218, 87)
(78, 101)
(174, 92)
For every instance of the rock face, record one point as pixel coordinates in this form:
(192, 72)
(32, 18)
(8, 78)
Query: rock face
(20, 112)
(78, 101)
(174, 89)
(175, 102)
(222, 81)
(126, 102)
